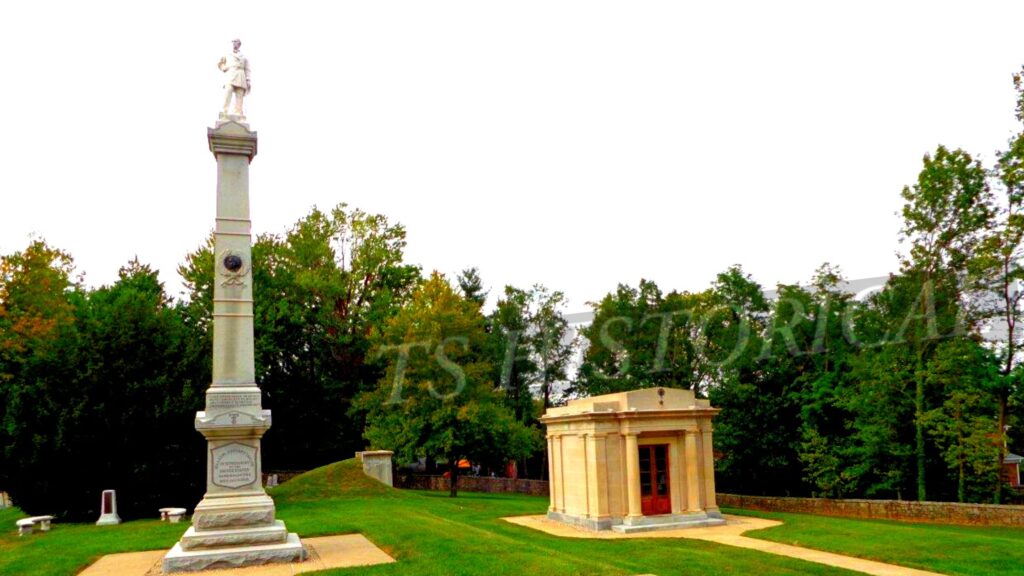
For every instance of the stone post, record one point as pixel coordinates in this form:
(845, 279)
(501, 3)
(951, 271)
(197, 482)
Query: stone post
(234, 525)
(108, 509)
(377, 465)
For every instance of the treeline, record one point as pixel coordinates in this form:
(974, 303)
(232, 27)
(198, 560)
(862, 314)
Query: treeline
(99, 387)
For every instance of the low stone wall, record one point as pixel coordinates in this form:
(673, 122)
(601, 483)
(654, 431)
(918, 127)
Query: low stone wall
(474, 484)
(932, 512)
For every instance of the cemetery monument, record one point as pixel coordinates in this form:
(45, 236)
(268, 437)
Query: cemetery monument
(234, 525)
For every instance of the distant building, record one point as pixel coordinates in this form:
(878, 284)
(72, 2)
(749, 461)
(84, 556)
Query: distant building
(1011, 469)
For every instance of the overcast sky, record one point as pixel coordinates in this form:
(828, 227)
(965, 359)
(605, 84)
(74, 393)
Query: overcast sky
(576, 144)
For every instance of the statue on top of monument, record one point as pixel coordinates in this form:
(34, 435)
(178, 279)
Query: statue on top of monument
(237, 80)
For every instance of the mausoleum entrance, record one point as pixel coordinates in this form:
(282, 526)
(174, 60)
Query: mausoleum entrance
(655, 480)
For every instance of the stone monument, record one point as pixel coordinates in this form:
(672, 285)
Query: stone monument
(108, 509)
(234, 525)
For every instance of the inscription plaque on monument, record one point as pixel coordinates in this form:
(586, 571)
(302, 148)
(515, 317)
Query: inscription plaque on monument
(237, 400)
(234, 465)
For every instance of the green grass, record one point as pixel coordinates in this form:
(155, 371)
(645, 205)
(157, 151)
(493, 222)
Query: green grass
(966, 550)
(430, 533)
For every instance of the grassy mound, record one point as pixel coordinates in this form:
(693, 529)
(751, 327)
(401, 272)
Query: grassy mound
(343, 479)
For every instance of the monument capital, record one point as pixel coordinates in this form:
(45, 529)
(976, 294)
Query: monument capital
(232, 137)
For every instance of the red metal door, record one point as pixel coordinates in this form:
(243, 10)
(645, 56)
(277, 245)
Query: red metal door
(654, 480)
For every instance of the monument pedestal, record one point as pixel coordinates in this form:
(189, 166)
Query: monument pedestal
(234, 525)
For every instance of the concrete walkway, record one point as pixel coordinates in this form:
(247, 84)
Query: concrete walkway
(731, 534)
(325, 552)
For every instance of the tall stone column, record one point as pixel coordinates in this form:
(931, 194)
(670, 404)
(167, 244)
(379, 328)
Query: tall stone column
(559, 477)
(693, 477)
(676, 476)
(634, 510)
(710, 503)
(597, 479)
(234, 525)
(551, 474)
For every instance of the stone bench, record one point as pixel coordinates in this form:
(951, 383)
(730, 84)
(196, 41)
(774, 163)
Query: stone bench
(25, 525)
(173, 515)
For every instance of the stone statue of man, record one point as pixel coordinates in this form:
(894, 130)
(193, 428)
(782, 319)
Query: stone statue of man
(237, 80)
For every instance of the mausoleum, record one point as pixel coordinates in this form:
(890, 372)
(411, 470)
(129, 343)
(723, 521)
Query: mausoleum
(632, 461)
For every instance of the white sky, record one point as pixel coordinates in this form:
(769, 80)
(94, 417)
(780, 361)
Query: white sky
(577, 144)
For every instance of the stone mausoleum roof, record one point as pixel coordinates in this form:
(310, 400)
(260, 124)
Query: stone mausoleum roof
(646, 400)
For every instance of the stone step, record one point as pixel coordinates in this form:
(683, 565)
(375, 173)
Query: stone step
(179, 560)
(626, 529)
(193, 539)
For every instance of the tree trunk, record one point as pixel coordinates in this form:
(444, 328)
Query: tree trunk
(961, 484)
(1001, 453)
(919, 432)
(453, 481)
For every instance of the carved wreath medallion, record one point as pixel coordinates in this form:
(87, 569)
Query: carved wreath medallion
(233, 268)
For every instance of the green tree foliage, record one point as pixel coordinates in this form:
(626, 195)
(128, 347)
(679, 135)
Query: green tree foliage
(318, 291)
(963, 424)
(472, 286)
(95, 391)
(1001, 273)
(513, 367)
(530, 351)
(945, 215)
(436, 399)
(825, 384)
(548, 338)
(640, 338)
(38, 300)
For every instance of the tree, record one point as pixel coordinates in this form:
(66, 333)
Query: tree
(640, 338)
(825, 384)
(38, 299)
(472, 286)
(1001, 274)
(944, 216)
(549, 342)
(436, 399)
(318, 291)
(514, 367)
(134, 375)
(962, 426)
(100, 380)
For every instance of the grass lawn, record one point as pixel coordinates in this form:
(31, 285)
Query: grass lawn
(966, 550)
(430, 533)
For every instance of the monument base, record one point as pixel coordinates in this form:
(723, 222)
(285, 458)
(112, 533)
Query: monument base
(223, 511)
(193, 539)
(108, 520)
(626, 525)
(181, 560)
